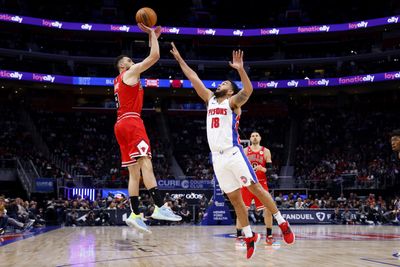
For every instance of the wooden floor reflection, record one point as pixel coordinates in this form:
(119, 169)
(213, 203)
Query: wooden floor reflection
(323, 245)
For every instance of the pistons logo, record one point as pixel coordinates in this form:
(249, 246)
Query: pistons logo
(244, 179)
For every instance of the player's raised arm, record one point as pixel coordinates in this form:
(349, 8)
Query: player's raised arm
(198, 85)
(154, 55)
(240, 98)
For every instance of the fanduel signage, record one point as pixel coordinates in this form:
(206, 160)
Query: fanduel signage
(309, 216)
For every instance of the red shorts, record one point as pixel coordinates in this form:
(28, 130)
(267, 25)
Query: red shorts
(248, 196)
(132, 139)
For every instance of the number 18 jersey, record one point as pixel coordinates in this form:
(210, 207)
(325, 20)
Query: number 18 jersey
(222, 125)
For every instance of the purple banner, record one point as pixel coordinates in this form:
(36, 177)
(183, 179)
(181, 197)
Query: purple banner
(166, 83)
(78, 26)
(35, 77)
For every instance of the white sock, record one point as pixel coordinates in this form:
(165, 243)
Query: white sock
(278, 217)
(247, 231)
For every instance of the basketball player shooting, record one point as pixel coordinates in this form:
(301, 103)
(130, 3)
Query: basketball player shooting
(231, 165)
(131, 133)
(260, 159)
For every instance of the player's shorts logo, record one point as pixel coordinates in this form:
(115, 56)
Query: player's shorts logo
(143, 147)
(244, 179)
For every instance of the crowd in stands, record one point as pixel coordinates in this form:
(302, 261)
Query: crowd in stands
(14, 139)
(352, 52)
(86, 142)
(16, 214)
(19, 215)
(346, 147)
(191, 149)
(334, 148)
(368, 209)
(16, 142)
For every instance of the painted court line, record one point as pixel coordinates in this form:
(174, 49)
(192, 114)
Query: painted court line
(141, 257)
(24, 236)
(380, 262)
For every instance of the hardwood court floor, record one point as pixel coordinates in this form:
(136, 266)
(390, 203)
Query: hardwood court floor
(323, 245)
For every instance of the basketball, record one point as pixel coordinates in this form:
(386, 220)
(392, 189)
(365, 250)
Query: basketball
(147, 16)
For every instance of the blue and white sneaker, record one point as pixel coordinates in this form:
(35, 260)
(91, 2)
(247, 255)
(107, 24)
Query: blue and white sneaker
(137, 222)
(165, 213)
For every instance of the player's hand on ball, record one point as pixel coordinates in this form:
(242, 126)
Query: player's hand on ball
(144, 28)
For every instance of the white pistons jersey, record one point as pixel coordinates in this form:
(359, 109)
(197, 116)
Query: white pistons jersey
(222, 125)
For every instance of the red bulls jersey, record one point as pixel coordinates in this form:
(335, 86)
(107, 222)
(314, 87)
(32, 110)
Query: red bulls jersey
(257, 158)
(128, 98)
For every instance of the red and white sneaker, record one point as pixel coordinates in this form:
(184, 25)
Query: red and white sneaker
(251, 244)
(269, 240)
(288, 235)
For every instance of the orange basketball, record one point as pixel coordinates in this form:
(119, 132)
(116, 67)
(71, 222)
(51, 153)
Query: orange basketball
(147, 16)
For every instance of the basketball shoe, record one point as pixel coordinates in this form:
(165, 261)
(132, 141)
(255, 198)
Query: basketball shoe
(288, 235)
(251, 243)
(165, 213)
(269, 240)
(137, 222)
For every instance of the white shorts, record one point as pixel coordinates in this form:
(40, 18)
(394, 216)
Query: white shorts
(232, 169)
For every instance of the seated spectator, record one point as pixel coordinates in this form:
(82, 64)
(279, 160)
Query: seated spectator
(336, 216)
(186, 215)
(347, 217)
(299, 204)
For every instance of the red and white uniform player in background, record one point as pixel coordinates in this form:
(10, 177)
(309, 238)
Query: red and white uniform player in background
(131, 134)
(261, 161)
